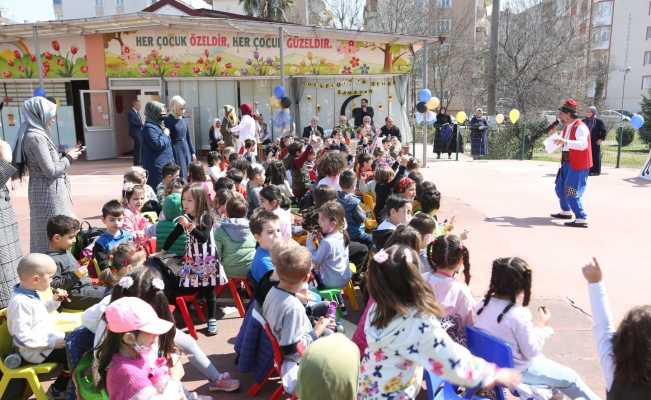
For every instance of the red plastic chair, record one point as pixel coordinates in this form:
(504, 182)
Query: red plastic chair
(233, 284)
(181, 303)
(273, 371)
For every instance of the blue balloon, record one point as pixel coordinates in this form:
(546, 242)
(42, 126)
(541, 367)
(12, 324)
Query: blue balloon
(39, 92)
(637, 121)
(424, 95)
(279, 91)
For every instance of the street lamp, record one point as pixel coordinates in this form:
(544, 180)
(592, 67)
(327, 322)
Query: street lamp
(621, 128)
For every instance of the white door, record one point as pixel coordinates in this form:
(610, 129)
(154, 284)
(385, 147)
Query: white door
(99, 129)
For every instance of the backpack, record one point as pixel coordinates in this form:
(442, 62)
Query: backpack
(85, 241)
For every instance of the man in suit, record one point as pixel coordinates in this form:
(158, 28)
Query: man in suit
(135, 125)
(313, 128)
(597, 136)
(360, 112)
(390, 130)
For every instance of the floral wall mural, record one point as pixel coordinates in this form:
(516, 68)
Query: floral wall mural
(160, 53)
(60, 58)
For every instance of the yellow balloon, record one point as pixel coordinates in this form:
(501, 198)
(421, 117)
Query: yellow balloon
(433, 103)
(274, 102)
(461, 117)
(514, 115)
(499, 118)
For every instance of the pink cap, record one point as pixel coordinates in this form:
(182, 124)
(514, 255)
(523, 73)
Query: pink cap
(133, 314)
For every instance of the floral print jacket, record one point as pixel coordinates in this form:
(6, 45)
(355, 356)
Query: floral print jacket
(392, 366)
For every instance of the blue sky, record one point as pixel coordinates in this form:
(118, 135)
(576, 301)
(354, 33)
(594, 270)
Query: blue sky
(27, 10)
(42, 10)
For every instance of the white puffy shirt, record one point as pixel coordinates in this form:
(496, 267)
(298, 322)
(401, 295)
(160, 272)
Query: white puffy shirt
(31, 326)
(246, 128)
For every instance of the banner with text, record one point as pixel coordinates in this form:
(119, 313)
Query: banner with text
(188, 54)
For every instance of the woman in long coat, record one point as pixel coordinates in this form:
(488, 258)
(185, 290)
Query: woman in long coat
(230, 120)
(180, 134)
(156, 143)
(49, 187)
(9, 243)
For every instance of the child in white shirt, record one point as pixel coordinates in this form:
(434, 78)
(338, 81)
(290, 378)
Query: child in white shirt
(501, 316)
(29, 321)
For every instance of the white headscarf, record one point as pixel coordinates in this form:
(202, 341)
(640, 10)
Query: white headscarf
(35, 114)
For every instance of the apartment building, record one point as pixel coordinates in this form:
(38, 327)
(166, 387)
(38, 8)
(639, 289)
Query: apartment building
(621, 36)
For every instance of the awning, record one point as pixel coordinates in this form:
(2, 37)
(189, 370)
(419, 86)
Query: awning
(145, 20)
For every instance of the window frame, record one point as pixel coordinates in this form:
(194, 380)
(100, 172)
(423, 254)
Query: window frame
(449, 25)
(648, 79)
(446, 4)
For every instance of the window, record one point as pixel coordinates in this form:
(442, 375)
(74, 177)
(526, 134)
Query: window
(646, 82)
(562, 7)
(648, 33)
(119, 3)
(444, 26)
(445, 3)
(99, 8)
(603, 13)
(601, 38)
(647, 58)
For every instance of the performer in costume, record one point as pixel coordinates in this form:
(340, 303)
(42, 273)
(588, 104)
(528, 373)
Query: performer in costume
(597, 136)
(576, 162)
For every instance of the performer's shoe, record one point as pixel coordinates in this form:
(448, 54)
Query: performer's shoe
(561, 216)
(577, 224)
(595, 173)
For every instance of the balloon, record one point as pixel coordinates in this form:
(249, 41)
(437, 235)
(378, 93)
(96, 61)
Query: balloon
(424, 95)
(279, 91)
(274, 102)
(514, 115)
(431, 117)
(39, 92)
(499, 118)
(421, 107)
(433, 103)
(285, 102)
(637, 121)
(461, 117)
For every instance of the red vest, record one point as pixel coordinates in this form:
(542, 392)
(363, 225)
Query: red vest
(579, 159)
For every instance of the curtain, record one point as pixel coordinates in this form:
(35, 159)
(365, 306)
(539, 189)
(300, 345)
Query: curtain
(298, 89)
(401, 85)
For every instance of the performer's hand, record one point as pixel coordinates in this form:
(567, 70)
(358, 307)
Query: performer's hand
(599, 142)
(559, 142)
(194, 157)
(592, 271)
(543, 316)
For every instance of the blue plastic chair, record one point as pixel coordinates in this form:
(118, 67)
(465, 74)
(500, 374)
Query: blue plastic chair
(491, 349)
(439, 389)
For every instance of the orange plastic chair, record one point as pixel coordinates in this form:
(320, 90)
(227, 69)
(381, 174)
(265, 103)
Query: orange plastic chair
(233, 284)
(182, 304)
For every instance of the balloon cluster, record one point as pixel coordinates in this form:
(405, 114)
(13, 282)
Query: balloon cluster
(426, 105)
(637, 121)
(282, 116)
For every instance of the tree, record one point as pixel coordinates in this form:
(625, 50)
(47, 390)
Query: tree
(345, 14)
(270, 9)
(645, 130)
(541, 55)
(492, 65)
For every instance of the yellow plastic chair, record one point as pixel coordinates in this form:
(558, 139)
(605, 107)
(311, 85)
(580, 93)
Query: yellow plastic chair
(28, 372)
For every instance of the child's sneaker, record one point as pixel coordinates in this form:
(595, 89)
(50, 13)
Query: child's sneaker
(212, 327)
(224, 384)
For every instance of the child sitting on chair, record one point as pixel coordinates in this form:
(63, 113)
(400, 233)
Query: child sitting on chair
(286, 314)
(70, 276)
(29, 321)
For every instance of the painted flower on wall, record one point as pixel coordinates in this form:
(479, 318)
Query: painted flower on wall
(354, 62)
(66, 62)
(6, 74)
(74, 50)
(346, 70)
(364, 69)
(347, 47)
(56, 46)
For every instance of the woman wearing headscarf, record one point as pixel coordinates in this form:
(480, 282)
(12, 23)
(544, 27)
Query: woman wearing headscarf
(597, 136)
(9, 244)
(180, 134)
(49, 187)
(214, 134)
(230, 120)
(247, 128)
(156, 143)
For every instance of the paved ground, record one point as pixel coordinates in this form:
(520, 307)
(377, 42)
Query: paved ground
(505, 205)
